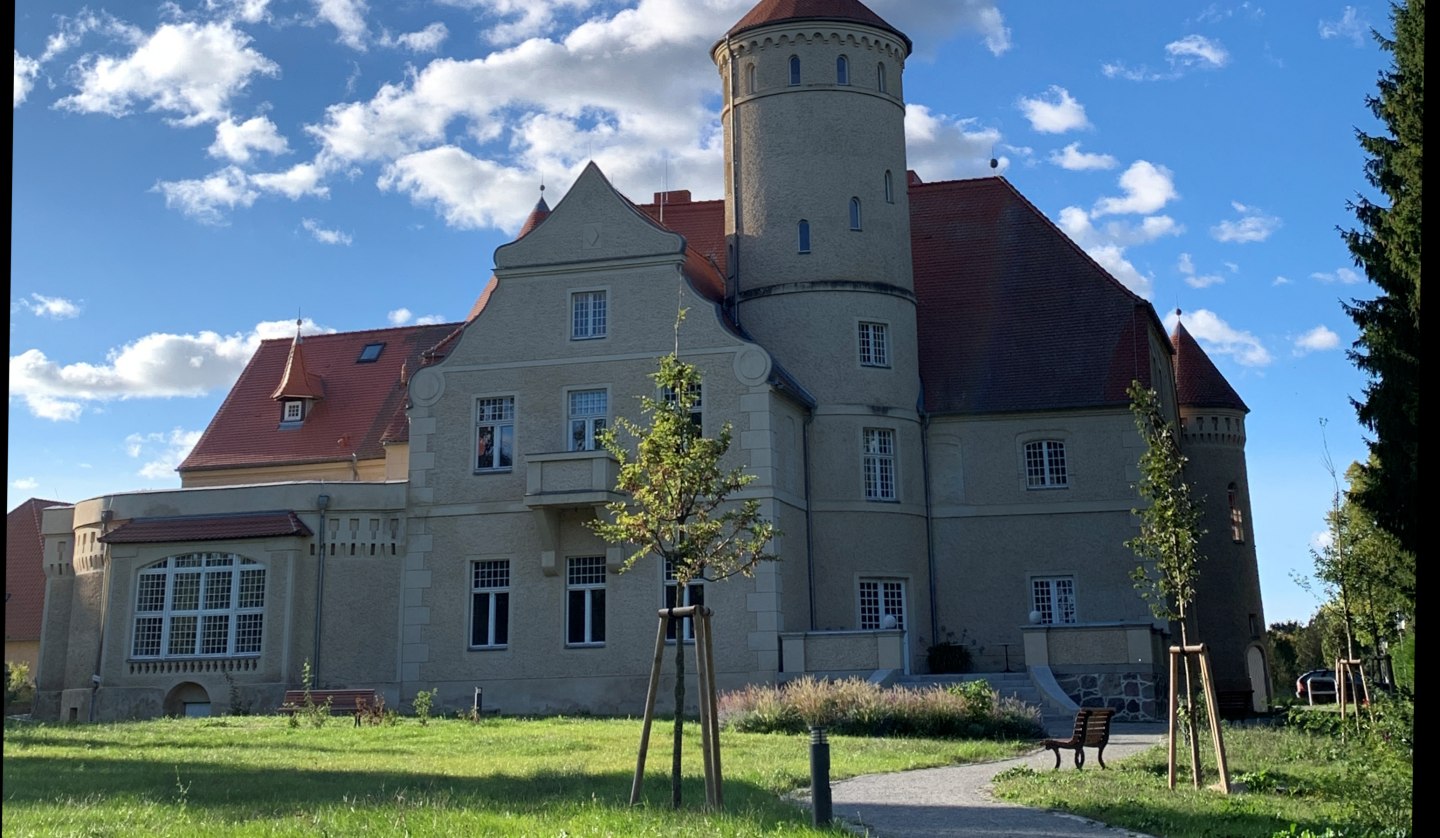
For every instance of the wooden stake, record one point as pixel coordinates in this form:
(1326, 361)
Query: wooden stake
(649, 709)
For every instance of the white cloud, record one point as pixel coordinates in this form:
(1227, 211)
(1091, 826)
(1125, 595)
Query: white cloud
(467, 191)
(1317, 339)
(348, 18)
(26, 69)
(400, 316)
(1147, 188)
(158, 365)
(1252, 226)
(205, 200)
(235, 141)
(937, 20)
(1197, 51)
(163, 451)
(56, 308)
(522, 18)
(1056, 114)
(323, 235)
(1350, 25)
(25, 484)
(247, 11)
(1218, 338)
(1282, 280)
(1119, 70)
(428, 39)
(1107, 252)
(1186, 267)
(939, 147)
(1072, 158)
(1344, 276)
(294, 183)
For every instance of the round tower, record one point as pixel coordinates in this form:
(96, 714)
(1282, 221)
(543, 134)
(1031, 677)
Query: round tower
(1229, 616)
(818, 233)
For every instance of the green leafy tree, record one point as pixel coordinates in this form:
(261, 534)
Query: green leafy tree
(680, 505)
(1386, 246)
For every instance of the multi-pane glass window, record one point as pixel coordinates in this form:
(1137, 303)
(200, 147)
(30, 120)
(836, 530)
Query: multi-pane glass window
(697, 415)
(587, 314)
(1054, 598)
(874, 345)
(494, 433)
(1237, 517)
(294, 411)
(694, 594)
(489, 604)
(1045, 465)
(199, 604)
(879, 459)
(881, 598)
(585, 601)
(588, 409)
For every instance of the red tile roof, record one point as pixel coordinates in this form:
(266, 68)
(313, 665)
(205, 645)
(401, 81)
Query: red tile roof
(207, 528)
(361, 400)
(25, 570)
(767, 12)
(702, 223)
(1011, 314)
(1198, 383)
(537, 215)
(297, 382)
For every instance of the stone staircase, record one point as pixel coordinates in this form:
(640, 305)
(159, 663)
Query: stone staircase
(1007, 684)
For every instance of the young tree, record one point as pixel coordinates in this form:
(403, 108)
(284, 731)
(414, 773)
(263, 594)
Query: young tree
(1387, 248)
(681, 505)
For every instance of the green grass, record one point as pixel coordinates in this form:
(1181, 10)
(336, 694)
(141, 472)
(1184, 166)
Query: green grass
(256, 775)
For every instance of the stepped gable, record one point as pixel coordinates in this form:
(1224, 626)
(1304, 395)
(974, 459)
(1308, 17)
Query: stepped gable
(1011, 314)
(361, 400)
(769, 12)
(1198, 382)
(25, 570)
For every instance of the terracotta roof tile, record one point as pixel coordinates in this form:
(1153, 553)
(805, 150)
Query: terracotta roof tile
(1198, 382)
(207, 528)
(25, 570)
(767, 12)
(537, 215)
(361, 400)
(297, 382)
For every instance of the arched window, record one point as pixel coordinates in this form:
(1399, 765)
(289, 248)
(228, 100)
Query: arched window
(842, 70)
(880, 76)
(854, 213)
(749, 78)
(802, 235)
(1237, 517)
(199, 604)
(889, 188)
(794, 70)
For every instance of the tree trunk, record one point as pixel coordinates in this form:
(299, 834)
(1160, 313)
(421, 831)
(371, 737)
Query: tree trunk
(679, 712)
(1191, 730)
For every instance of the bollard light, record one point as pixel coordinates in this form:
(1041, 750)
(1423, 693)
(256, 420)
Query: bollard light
(819, 777)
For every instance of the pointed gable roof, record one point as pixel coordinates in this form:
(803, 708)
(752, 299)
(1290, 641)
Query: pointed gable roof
(297, 382)
(1011, 314)
(767, 12)
(361, 400)
(537, 215)
(1198, 382)
(25, 570)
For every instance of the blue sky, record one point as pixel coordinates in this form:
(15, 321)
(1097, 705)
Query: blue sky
(190, 177)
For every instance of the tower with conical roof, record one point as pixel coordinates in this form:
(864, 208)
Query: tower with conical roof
(817, 221)
(1229, 617)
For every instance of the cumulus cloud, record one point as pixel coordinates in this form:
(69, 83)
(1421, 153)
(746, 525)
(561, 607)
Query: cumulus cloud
(1106, 251)
(938, 20)
(1072, 158)
(348, 18)
(1252, 226)
(1344, 276)
(1282, 280)
(1317, 339)
(294, 183)
(245, 11)
(428, 39)
(162, 452)
(404, 316)
(1147, 187)
(25, 484)
(1197, 51)
(26, 69)
(55, 308)
(191, 69)
(1350, 25)
(235, 141)
(158, 365)
(1218, 338)
(940, 147)
(1054, 112)
(1186, 267)
(206, 199)
(323, 235)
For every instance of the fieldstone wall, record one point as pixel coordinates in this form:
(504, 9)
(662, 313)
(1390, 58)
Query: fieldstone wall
(1135, 696)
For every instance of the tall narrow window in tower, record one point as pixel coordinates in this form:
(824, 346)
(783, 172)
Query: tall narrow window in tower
(1237, 517)
(889, 187)
(1045, 465)
(750, 78)
(879, 462)
(794, 70)
(874, 345)
(880, 76)
(802, 234)
(854, 213)
(842, 70)
(588, 410)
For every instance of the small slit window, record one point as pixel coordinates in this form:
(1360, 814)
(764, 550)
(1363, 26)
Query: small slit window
(802, 235)
(371, 353)
(749, 78)
(842, 70)
(880, 76)
(854, 213)
(889, 187)
(794, 70)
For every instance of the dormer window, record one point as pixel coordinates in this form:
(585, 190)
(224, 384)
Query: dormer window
(371, 353)
(293, 411)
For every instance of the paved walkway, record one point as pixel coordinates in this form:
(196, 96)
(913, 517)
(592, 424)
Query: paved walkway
(956, 800)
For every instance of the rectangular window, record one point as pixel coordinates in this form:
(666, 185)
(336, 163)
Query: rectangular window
(588, 409)
(694, 595)
(697, 416)
(879, 464)
(489, 604)
(1045, 465)
(494, 433)
(1054, 599)
(874, 345)
(587, 315)
(294, 411)
(585, 601)
(879, 599)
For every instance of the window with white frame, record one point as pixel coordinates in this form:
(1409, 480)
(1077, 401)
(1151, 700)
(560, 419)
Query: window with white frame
(1053, 597)
(1045, 465)
(199, 604)
(881, 598)
(489, 604)
(587, 318)
(879, 461)
(494, 433)
(294, 411)
(585, 601)
(1237, 517)
(588, 410)
(874, 345)
(694, 594)
(696, 408)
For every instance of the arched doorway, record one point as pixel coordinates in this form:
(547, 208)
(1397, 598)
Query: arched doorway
(187, 699)
(1259, 681)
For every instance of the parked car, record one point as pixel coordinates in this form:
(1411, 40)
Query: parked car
(1318, 685)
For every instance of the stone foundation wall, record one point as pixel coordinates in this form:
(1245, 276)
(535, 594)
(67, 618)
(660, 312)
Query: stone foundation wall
(1135, 696)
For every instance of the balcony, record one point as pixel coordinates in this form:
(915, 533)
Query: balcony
(569, 480)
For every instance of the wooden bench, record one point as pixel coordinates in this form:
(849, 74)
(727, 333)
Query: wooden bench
(1092, 730)
(1235, 705)
(346, 702)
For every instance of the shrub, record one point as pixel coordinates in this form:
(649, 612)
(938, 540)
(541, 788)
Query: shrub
(423, 703)
(19, 690)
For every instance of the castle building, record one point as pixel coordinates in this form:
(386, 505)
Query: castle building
(927, 379)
